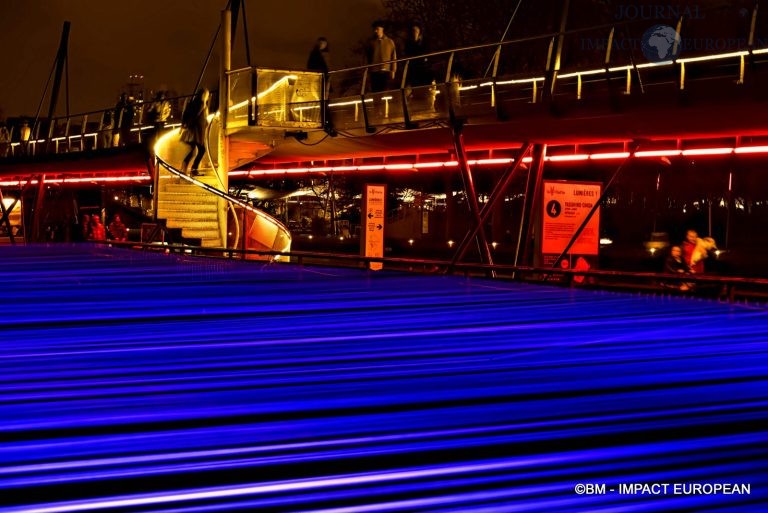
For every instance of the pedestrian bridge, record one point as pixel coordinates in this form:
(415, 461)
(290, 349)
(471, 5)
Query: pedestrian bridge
(584, 85)
(550, 89)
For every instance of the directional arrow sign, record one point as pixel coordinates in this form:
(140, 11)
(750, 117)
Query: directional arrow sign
(372, 243)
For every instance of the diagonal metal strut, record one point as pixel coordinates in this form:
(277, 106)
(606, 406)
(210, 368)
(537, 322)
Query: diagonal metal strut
(496, 195)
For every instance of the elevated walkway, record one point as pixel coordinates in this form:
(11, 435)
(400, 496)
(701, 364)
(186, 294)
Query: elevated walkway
(499, 96)
(285, 116)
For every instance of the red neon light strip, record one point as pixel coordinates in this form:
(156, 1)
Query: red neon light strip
(707, 151)
(430, 165)
(97, 179)
(751, 149)
(657, 153)
(552, 158)
(566, 158)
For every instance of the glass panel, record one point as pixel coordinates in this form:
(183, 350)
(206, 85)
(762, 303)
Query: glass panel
(422, 103)
(384, 108)
(346, 113)
(289, 98)
(239, 98)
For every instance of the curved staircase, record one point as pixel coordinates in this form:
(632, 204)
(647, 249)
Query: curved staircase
(199, 206)
(194, 210)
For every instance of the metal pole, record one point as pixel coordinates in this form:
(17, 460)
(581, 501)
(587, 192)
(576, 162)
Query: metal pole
(6, 218)
(61, 58)
(37, 218)
(529, 203)
(207, 59)
(496, 194)
(470, 192)
(728, 208)
(503, 37)
(223, 156)
(155, 185)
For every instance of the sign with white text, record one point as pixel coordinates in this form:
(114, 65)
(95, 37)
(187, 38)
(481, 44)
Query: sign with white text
(372, 243)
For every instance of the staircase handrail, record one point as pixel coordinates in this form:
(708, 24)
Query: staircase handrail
(232, 200)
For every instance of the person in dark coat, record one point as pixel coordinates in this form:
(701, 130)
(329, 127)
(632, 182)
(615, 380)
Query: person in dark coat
(319, 56)
(418, 69)
(194, 122)
(117, 229)
(675, 264)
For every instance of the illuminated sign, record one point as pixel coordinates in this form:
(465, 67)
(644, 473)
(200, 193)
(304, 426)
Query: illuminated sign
(566, 205)
(374, 202)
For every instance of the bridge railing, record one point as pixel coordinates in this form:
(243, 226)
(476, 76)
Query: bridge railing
(721, 45)
(616, 58)
(88, 131)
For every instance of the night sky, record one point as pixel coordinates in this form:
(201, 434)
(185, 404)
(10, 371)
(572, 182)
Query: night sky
(164, 40)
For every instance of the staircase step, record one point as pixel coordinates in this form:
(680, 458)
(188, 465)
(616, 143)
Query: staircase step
(201, 233)
(208, 224)
(175, 222)
(193, 202)
(208, 174)
(213, 182)
(187, 213)
(185, 206)
(211, 243)
(184, 196)
(190, 209)
(184, 188)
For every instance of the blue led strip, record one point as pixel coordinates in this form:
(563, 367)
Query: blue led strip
(151, 382)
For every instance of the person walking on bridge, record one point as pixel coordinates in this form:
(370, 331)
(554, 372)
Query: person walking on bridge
(319, 57)
(194, 122)
(381, 50)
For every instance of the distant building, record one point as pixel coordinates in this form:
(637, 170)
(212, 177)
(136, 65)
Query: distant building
(135, 87)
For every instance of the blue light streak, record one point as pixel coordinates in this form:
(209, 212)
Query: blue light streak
(124, 374)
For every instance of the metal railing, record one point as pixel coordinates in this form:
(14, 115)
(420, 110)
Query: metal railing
(493, 79)
(88, 131)
(482, 80)
(268, 230)
(726, 288)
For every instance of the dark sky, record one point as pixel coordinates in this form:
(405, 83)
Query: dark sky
(164, 40)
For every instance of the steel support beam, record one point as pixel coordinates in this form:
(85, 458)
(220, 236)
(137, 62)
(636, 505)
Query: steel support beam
(470, 192)
(37, 217)
(6, 217)
(532, 190)
(223, 157)
(61, 60)
(496, 195)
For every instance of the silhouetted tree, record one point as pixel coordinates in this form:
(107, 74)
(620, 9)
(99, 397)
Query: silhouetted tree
(458, 23)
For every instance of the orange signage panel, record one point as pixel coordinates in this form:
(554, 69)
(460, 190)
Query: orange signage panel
(374, 201)
(566, 205)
